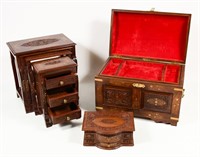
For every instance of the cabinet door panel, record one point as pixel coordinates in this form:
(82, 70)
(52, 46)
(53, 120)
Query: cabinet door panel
(118, 96)
(157, 101)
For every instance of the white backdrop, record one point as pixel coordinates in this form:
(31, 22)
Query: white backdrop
(88, 24)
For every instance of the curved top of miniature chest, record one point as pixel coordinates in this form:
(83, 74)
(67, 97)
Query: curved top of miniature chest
(44, 43)
(104, 122)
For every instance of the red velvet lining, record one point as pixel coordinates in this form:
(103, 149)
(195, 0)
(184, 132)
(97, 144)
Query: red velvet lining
(142, 70)
(172, 73)
(112, 67)
(149, 35)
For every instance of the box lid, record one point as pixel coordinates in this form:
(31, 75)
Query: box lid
(40, 44)
(108, 123)
(148, 34)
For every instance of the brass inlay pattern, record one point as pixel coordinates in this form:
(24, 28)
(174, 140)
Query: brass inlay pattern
(40, 42)
(156, 102)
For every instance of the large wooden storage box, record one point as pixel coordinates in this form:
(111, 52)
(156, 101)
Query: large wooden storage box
(146, 64)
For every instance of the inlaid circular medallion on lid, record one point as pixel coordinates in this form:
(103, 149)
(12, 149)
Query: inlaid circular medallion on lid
(40, 42)
(108, 121)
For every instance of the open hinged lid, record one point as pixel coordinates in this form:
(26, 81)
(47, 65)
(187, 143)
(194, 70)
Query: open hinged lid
(148, 34)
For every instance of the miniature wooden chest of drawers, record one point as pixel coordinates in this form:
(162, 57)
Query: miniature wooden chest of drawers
(23, 52)
(145, 69)
(108, 130)
(57, 90)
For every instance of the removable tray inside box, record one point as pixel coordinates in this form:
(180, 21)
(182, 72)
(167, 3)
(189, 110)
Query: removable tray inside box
(163, 72)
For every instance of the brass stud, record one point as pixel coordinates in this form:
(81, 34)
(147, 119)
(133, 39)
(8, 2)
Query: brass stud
(65, 101)
(68, 118)
(61, 83)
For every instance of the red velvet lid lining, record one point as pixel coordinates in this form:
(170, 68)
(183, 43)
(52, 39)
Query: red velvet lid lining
(150, 35)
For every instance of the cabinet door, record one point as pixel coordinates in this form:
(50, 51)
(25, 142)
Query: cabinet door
(157, 101)
(117, 96)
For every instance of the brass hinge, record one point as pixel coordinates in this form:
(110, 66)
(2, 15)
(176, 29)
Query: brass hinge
(117, 56)
(174, 118)
(146, 59)
(99, 108)
(99, 80)
(152, 9)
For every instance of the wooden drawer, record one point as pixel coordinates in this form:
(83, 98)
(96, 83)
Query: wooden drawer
(62, 98)
(60, 81)
(64, 113)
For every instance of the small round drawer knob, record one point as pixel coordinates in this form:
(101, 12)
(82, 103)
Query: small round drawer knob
(68, 118)
(61, 83)
(65, 101)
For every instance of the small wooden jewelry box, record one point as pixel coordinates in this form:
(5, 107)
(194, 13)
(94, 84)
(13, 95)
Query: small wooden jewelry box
(57, 90)
(145, 69)
(108, 130)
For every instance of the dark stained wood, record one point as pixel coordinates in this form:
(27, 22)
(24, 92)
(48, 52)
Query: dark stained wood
(108, 130)
(24, 52)
(57, 90)
(64, 113)
(59, 98)
(44, 43)
(66, 79)
(156, 100)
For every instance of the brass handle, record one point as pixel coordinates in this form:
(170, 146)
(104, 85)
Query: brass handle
(68, 118)
(138, 85)
(61, 83)
(65, 101)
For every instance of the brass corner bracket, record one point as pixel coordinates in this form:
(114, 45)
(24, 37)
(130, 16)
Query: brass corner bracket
(98, 80)
(99, 108)
(174, 118)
